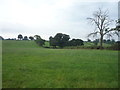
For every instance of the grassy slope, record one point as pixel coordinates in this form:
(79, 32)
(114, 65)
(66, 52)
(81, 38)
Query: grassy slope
(27, 65)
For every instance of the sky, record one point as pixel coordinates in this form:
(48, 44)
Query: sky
(48, 17)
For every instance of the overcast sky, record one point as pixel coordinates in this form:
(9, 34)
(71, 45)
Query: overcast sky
(48, 17)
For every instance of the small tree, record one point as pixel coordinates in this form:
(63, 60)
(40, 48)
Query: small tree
(39, 40)
(31, 38)
(25, 38)
(20, 37)
(102, 21)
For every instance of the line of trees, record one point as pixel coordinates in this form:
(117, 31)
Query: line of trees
(36, 38)
(59, 40)
(20, 37)
(96, 41)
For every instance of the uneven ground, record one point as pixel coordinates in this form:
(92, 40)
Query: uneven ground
(25, 65)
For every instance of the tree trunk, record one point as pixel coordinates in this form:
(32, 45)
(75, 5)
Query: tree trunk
(101, 42)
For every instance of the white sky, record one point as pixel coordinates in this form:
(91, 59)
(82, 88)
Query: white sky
(48, 17)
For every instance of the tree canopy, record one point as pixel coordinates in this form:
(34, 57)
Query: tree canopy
(25, 38)
(31, 38)
(62, 40)
(59, 40)
(20, 37)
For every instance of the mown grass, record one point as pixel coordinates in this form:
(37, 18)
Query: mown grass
(25, 65)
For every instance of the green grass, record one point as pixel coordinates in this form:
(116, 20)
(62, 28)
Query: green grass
(92, 44)
(25, 65)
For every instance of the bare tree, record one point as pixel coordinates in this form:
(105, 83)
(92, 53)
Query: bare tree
(102, 21)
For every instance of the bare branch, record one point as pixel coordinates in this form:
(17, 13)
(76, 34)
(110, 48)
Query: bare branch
(113, 29)
(109, 35)
(94, 21)
(117, 33)
(94, 33)
(102, 21)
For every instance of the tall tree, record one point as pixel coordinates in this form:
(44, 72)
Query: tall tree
(20, 37)
(102, 21)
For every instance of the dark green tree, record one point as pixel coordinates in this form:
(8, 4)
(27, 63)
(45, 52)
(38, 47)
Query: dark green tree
(31, 38)
(20, 37)
(60, 40)
(76, 42)
(52, 42)
(25, 38)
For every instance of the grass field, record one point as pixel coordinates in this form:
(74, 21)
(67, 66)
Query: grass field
(25, 65)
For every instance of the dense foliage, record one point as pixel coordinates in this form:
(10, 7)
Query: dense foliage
(62, 40)
(76, 42)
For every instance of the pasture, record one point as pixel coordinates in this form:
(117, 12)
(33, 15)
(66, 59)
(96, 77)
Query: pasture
(26, 65)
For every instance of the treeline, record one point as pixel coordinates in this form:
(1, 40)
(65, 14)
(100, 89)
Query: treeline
(61, 40)
(20, 37)
(96, 41)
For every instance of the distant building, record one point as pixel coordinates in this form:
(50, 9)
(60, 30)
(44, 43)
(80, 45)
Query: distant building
(1, 38)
